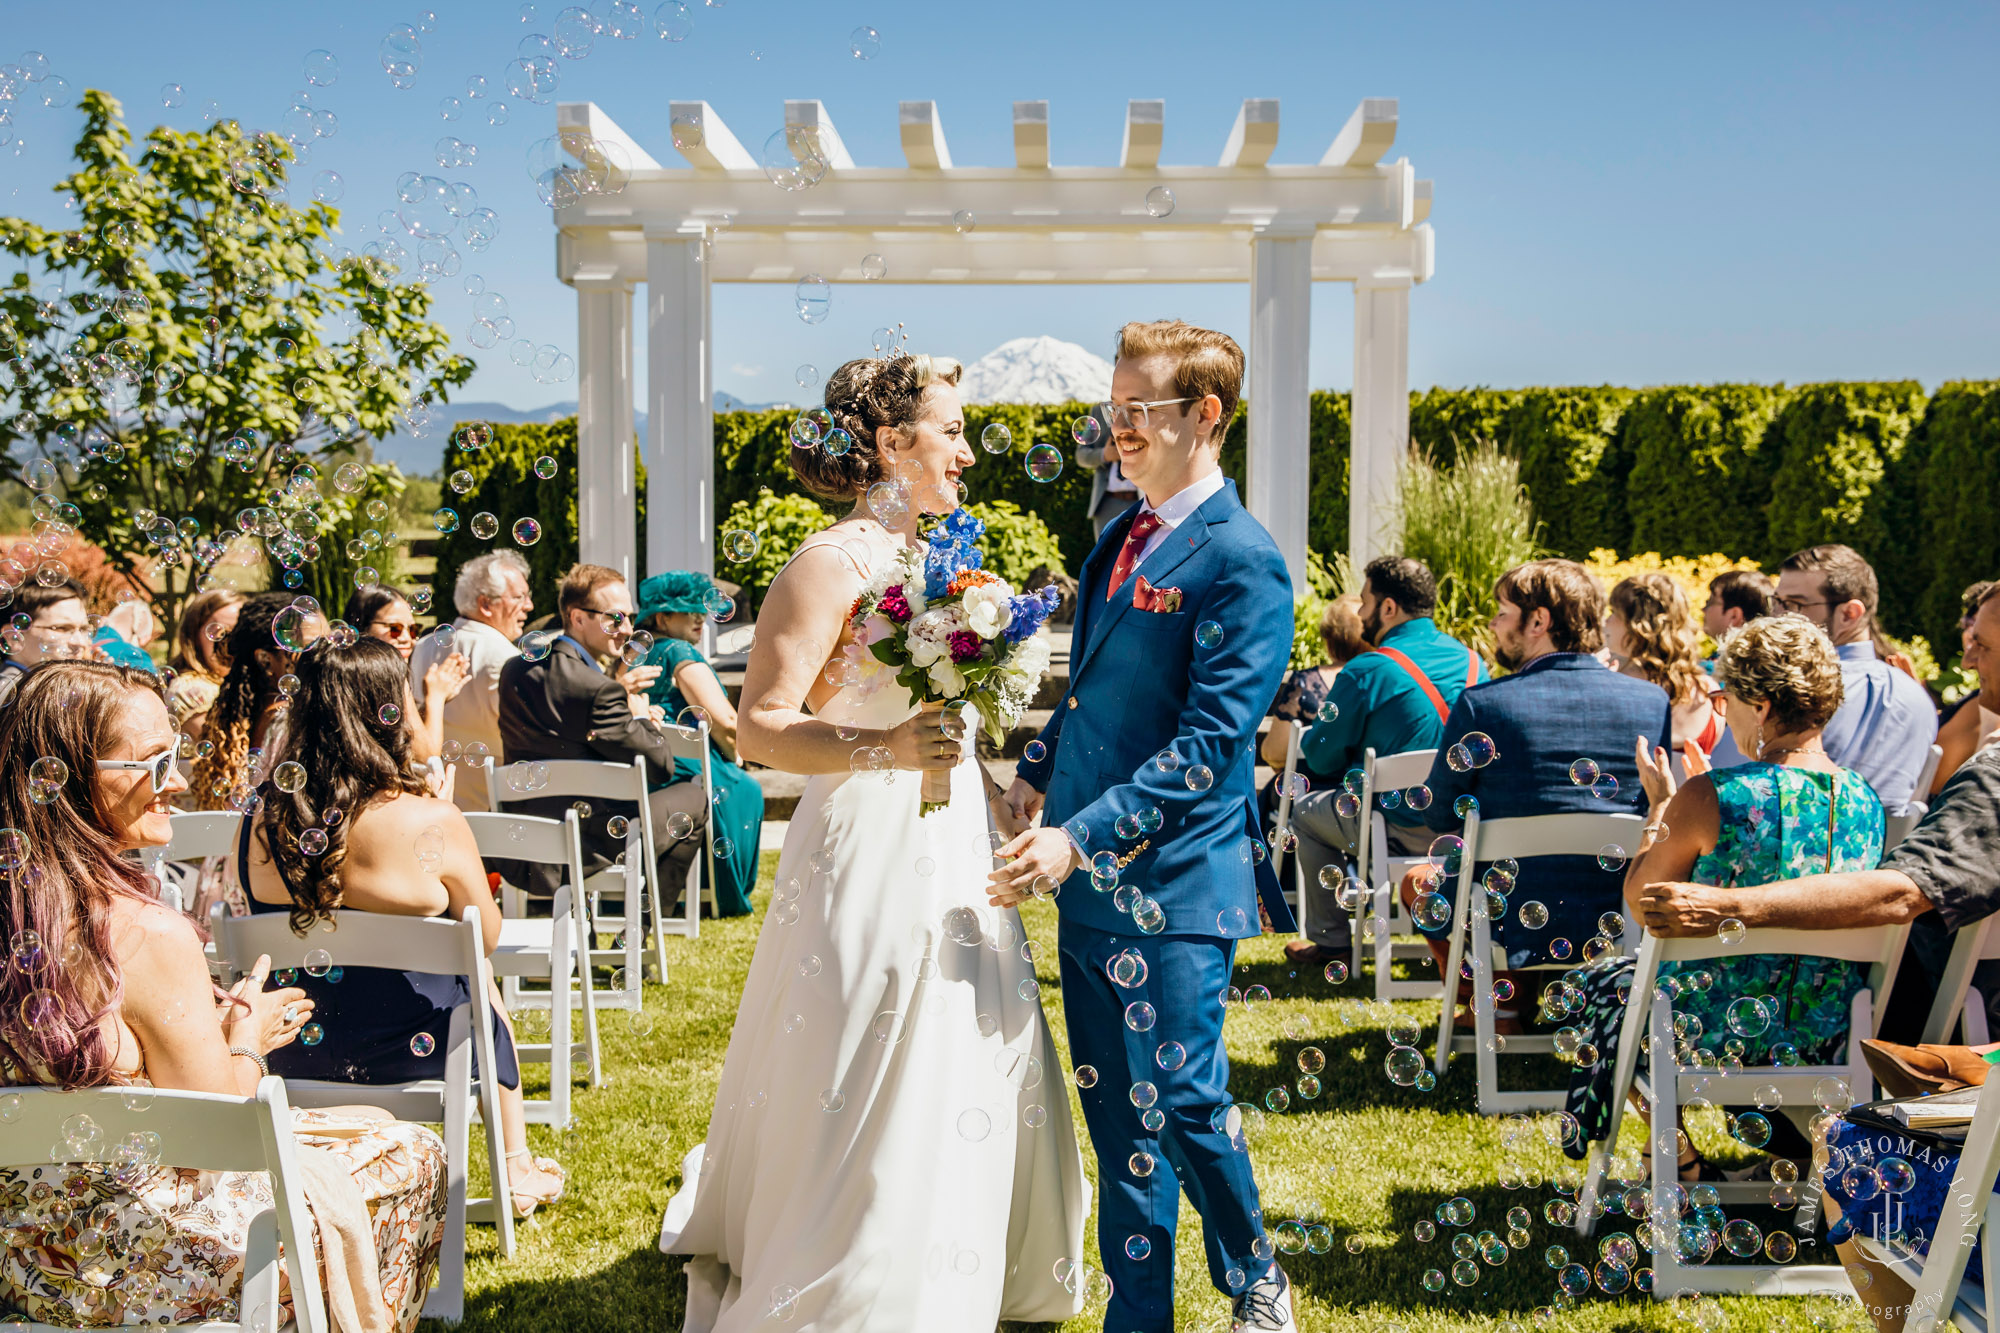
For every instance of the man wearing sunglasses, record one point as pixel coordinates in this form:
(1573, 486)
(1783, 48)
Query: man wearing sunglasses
(580, 701)
(57, 626)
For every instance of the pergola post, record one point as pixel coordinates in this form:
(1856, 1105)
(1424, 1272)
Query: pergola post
(680, 427)
(1381, 417)
(1279, 461)
(606, 497)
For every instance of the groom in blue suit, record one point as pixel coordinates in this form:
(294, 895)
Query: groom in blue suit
(1143, 776)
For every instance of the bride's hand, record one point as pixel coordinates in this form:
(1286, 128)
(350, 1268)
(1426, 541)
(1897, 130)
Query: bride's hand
(921, 742)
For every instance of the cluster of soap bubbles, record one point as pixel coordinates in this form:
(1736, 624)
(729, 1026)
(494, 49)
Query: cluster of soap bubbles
(1473, 750)
(1588, 773)
(799, 157)
(574, 165)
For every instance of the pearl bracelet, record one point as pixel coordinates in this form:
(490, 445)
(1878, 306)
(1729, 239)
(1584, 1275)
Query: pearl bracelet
(263, 1065)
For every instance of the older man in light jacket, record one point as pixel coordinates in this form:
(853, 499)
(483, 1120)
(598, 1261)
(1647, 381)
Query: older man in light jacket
(493, 604)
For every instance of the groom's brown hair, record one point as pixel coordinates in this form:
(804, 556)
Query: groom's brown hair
(1205, 362)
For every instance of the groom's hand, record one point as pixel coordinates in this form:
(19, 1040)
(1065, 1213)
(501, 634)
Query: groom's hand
(1024, 801)
(1043, 856)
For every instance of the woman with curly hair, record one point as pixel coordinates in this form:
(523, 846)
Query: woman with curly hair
(1790, 811)
(106, 987)
(349, 820)
(201, 657)
(247, 704)
(1650, 634)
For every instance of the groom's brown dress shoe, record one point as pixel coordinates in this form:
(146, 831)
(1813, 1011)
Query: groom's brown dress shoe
(1913, 1071)
(1304, 953)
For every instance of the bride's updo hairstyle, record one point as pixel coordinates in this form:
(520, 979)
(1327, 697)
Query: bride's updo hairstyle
(862, 397)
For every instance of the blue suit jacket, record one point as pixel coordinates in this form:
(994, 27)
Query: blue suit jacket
(1555, 710)
(1139, 685)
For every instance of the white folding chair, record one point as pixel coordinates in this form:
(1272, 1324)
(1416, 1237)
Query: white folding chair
(1282, 825)
(1492, 840)
(1958, 1000)
(1971, 1211)
(201, 1131)
(548, 949)
(409, 944)
(197, 835)
(1895, 828)
(1394, 936)
(1649, 1018)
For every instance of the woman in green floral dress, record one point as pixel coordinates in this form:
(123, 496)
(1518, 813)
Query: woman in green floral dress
(1789, 812)
(673, 606)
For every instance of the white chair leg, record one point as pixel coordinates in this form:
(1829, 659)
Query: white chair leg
(562, 958)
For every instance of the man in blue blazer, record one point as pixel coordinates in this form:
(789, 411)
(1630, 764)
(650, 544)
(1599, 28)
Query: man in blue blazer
(1559, 704)
(1143, 779)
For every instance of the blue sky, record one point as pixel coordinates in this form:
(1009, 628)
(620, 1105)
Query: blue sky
(1625, 194)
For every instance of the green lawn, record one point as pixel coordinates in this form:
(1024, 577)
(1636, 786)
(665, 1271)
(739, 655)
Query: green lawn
(1365, 1158)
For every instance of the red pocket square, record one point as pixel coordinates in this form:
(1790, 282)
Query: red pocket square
(1145, 597)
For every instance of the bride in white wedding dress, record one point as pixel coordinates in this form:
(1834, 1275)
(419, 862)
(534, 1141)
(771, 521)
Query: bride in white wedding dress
(891, 1148)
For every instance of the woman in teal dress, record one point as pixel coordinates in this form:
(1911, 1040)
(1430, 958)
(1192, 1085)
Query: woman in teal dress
(673, 606)
(1788, 813)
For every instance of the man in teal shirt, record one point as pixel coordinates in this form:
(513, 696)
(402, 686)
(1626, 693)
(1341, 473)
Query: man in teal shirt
(1392, 699)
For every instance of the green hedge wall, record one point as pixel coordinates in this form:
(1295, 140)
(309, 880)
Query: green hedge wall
(1741, 469)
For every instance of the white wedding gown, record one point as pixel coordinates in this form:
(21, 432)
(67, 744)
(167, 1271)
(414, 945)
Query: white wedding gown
(891, 1148)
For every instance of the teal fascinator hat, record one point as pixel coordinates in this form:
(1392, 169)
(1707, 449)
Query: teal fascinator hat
(674, 590)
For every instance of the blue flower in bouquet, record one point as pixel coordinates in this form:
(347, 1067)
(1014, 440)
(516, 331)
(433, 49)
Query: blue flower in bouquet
(1030, 610)
(952, 551)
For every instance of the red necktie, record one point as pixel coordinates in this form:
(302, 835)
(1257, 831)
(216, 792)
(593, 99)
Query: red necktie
(1144, 526)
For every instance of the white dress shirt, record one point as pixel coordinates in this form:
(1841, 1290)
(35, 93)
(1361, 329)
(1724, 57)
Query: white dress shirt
(473, 714)
(1177, 509)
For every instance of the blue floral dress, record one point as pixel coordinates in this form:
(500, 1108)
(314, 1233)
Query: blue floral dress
(1777, 823)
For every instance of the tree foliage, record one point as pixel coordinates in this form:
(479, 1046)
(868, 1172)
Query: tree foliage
(199, 357)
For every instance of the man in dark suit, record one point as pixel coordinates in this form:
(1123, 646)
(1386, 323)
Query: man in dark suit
(1558, 705)
(565, 705)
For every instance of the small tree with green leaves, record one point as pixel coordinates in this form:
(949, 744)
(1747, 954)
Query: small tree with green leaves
(197, 357)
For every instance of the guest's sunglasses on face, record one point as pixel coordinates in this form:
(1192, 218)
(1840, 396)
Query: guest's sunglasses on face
(615, 619)
(160, 768)
(392, 629)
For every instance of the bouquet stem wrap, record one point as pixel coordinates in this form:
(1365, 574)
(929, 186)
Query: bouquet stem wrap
(935, 789)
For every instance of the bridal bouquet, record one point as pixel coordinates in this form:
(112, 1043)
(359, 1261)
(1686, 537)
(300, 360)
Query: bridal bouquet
(955, 633)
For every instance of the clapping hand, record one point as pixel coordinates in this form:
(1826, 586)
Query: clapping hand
(444, 678)
(1656, 774)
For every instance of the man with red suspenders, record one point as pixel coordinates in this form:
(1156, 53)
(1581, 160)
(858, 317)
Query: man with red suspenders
(1391, 699)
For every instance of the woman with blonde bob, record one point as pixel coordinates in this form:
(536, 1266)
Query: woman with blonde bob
(1649, 633)
(1790, 811)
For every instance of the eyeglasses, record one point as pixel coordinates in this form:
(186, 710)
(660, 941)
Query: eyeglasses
(614, 618)
(392, 629)
(1797, 603)
(160, 768)
(1138, 416)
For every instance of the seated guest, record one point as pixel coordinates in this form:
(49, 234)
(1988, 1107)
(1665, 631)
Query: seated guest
(1299, 698)
(1789, 810)
(1886, 724)
(58, 627)
(1650, 636)
(1522, 735)
(393, 846)
(201, 657)
(567, 705)
(230, 762)
(121, 640)
(1392, 699)
(672, 606)
(1735, 598)
(381, 612)
(1966, 726)
(493, 603)
(164, 1245)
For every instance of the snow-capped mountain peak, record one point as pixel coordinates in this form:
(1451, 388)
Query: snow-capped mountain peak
(1036, 370)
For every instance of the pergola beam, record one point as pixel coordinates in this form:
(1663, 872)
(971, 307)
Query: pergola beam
(1366, 136)
(1254, 135)
(1031, 135)
(588, 118)
(923, 136)
(1145, 122)
(809, 128)
(706, 143)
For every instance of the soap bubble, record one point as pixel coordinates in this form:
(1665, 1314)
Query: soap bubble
(46, 777)
(739, 544)
(1159, 201)
(290, 776)
(1034, 752)
(1479, 747)
(1199, 778)
(1231, 922)
(1748, 1016)
(806, 376)
(996, 439)
(1085, 430)
(1583, 772)
(422, 1044)
(1533, 915)
(1459, 760)
(1611, 857)
(485, 526)
(874, 267)
(527, 532)
(1465, 806)
(536, 644)
(1731, 931)
(328, 187)
(313, 841)
(1044, 462)
(1605, 787)
(964, 221)
(390, 714)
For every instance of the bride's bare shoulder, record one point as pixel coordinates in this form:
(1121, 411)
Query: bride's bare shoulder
(830, 558)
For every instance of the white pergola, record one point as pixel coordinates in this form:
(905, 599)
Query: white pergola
(1351, 218)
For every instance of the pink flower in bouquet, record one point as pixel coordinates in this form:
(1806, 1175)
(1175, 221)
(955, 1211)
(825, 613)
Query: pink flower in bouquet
(966, 646)
(894, 605)
(875, 629)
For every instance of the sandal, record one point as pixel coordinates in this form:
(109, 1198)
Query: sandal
(548, 1166)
